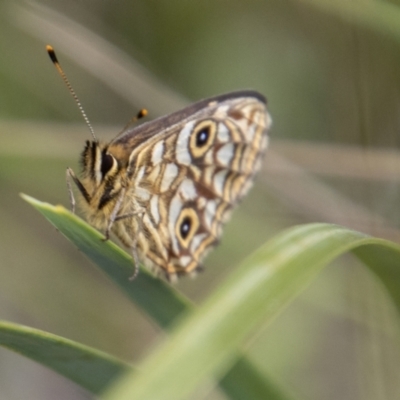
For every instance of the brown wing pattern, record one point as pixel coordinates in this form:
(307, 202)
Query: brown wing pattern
(187, 172)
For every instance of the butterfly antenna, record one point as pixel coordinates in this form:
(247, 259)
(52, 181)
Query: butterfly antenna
(142, 113)
(54, 59)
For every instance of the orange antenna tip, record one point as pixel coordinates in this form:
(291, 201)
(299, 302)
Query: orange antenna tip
(52, 54)
(142, 113)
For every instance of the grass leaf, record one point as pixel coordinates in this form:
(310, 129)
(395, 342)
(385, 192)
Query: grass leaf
(244, 381)
(156, 297)
(88, 367)
(205, 343)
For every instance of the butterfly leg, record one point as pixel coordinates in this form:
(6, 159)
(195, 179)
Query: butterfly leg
(137, 213)
(134, 244)
(136, 261)
(71, 175)
(113, 216)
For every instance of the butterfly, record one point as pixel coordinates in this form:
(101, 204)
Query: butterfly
(165, 188)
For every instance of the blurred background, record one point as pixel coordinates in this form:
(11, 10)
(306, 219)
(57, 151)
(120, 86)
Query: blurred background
(330, 71)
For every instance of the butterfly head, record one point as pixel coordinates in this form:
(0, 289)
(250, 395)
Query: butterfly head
(97, 163)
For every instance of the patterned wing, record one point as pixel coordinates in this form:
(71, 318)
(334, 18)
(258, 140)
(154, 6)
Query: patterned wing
(188, 171)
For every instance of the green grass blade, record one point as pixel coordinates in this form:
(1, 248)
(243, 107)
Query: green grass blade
(386, 265)
(159, 300)
(243, 381)
(204, 344)
(156, 297)
(88, 367)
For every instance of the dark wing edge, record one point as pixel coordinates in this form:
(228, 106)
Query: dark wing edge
(149, 128)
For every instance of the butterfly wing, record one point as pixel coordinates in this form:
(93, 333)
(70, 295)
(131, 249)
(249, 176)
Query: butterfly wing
(188, 170)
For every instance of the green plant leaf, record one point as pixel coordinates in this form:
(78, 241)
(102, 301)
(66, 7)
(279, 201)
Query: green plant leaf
(386, 265)
(157, 298)
(88, 367)
(244, 381)
(163, 304)
(205, 343)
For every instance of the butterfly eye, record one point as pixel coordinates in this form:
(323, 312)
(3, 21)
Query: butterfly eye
(107, 162)
(186, 226)
(202, 138)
